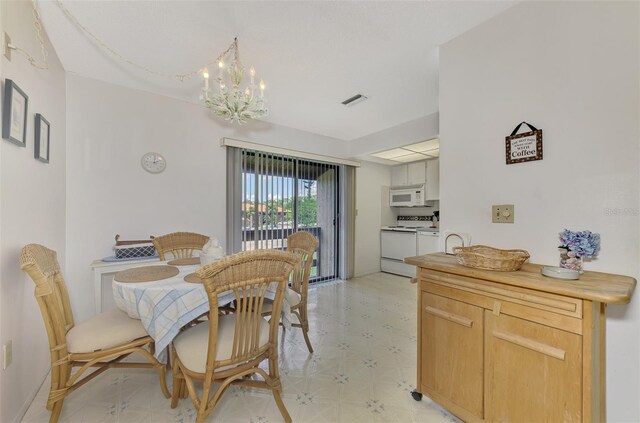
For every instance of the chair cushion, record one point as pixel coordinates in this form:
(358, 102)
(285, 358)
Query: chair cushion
(290, 295)
(102, 331)
(192, 344)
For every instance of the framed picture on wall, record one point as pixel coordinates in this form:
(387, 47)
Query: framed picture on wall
(14, 115)
(43, 131)
(526, 147)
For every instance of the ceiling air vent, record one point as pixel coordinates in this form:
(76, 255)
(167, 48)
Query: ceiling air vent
(352, 101)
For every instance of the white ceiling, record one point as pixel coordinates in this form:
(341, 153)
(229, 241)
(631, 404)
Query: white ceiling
(312, 55)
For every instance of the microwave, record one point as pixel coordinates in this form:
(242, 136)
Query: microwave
(412, 196)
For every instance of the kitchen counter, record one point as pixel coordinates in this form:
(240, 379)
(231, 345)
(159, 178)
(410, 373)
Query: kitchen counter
(476, 328)
(595, 286)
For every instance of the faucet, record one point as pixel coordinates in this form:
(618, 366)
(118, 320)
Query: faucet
(447, 239)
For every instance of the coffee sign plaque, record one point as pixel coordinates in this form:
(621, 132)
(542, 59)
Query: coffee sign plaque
(524, 147)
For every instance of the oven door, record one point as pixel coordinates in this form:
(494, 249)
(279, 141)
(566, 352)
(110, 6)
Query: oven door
(397, 245)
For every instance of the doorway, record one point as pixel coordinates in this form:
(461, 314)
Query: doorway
(281, 195)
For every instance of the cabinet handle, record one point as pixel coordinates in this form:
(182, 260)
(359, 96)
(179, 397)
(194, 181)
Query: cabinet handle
(531, 344)
(449, 316)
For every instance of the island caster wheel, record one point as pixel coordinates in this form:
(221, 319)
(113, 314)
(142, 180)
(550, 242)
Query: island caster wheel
(416, 395)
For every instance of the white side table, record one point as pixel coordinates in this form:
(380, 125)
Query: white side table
(103, 273)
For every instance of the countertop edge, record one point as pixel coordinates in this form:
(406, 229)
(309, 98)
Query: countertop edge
(447, 263)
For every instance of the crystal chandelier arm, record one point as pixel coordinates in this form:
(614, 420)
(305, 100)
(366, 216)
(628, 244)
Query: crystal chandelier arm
(114, 53)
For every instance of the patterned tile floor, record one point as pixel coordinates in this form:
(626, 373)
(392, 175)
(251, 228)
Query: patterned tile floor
(363, 369)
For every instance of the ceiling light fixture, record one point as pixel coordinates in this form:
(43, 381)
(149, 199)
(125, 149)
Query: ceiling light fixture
(352, 101)
(230, 100)
(429, 149)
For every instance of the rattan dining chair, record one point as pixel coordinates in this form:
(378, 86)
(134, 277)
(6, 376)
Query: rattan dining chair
(179, 244)
(304, 244)
(101, 341)
(226, 348)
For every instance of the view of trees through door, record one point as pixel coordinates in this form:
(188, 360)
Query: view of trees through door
(282, 195)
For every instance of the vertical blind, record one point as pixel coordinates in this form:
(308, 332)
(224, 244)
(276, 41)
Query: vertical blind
(275, 195)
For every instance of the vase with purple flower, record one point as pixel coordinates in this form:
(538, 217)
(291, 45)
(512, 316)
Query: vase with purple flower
(577, 246)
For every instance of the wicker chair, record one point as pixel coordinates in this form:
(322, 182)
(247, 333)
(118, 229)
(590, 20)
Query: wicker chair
(226, 348)
(102, 341)
(179, 244)
(304, 244)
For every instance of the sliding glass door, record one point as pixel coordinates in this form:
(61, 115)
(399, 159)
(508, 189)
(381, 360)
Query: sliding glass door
(281, 195)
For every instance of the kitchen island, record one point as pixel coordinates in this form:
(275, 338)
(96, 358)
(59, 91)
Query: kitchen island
(513, 346)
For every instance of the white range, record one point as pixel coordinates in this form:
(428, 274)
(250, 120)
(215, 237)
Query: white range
(407, 239)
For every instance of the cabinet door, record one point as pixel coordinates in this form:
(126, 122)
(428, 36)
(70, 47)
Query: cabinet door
(416, 173)
(452, 351)
(533, 372)
(433, 180)
(399, 175)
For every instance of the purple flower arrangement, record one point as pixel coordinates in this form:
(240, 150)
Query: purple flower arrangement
(582, 243)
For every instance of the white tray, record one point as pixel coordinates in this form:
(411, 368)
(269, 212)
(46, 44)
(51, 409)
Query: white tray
(560, 273)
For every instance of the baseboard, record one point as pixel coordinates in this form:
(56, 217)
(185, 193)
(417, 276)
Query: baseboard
(30, 398)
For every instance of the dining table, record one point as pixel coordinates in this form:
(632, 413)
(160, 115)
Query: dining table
(167, 305)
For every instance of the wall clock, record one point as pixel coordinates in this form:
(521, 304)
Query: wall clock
(153, 162)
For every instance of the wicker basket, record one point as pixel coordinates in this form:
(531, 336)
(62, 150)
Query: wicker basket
(489, 258)
(134, 248)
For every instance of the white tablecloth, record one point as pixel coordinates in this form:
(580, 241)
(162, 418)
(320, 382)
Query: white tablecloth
(166, 306)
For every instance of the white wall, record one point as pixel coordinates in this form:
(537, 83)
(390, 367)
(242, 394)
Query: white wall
(573, 70)
(373, 211)
(108, 193)
(32, 200)
(410, 132)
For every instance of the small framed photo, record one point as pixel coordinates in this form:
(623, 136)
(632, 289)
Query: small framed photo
(14, 115)
(43, 131)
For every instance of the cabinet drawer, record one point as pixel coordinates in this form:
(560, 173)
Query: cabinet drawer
(452, 352)
(541, 307)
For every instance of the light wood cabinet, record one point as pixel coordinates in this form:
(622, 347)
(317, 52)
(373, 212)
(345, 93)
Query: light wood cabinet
(533, 372)
(513, 346)
(451, 337)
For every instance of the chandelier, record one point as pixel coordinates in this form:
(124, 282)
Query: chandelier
(229, 99)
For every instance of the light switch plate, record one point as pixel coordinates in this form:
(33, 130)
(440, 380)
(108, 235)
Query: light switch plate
(503, 213)
(6, 40)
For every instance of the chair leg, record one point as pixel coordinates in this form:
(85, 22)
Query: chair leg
(202, 411)
(177, 385)
(281, 407)
(274, 379)
(304, 324)
(162, 373)
(305, 329)
(184, 393)
(55, 413)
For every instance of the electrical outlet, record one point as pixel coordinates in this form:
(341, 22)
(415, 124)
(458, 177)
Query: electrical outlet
(504, 213)
(7, 354)
(5, 46)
